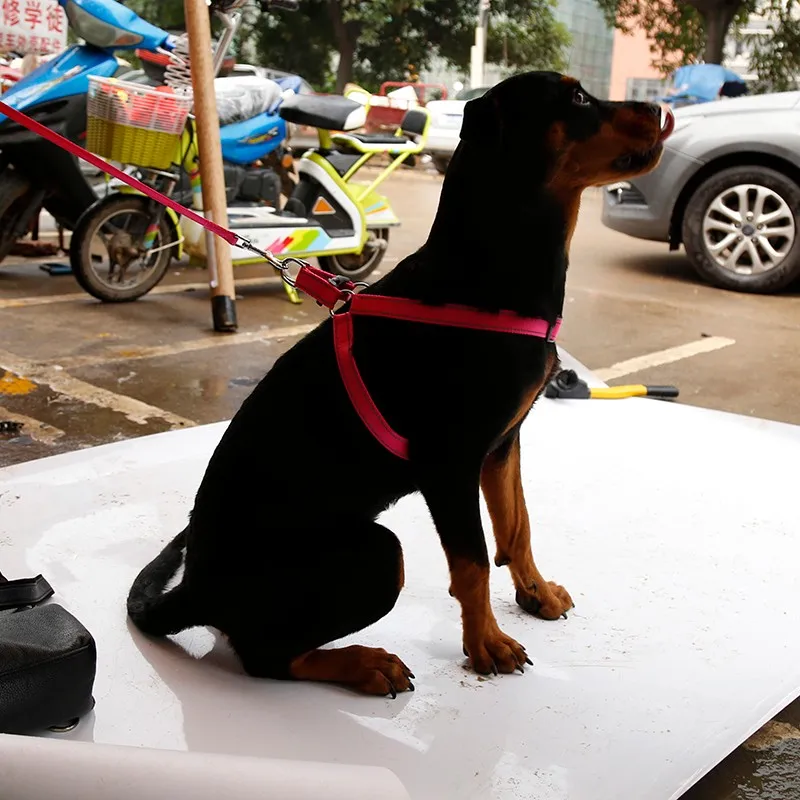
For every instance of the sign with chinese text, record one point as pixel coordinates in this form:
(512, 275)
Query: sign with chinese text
(32, 26)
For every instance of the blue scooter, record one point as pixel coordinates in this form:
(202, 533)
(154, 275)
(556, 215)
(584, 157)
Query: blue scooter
(35, 173)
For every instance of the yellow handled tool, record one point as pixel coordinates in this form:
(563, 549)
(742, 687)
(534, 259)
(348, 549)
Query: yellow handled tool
(567, 385)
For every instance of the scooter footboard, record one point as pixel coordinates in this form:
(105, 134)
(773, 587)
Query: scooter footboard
(378, 211)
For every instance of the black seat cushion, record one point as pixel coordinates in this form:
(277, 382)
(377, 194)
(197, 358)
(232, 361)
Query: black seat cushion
(329, 112)
(378, 138)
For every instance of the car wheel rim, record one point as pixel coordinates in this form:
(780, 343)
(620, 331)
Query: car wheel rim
(748, 229)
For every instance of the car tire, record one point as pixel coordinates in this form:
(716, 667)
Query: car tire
(705, 226)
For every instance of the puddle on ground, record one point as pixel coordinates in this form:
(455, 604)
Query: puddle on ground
(776, 777)
(765, 767)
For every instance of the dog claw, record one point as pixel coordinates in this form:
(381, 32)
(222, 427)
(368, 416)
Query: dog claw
(494, 668)
(412, 675)
(392, 692)
(519, 668)
(411, 687)
(528, 661)
(564, 615)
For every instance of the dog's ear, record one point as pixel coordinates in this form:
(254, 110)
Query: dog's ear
(481, 121)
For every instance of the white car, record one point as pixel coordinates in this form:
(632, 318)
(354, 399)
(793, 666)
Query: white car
(445, 127)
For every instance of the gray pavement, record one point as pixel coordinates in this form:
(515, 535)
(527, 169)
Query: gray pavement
(79, 373)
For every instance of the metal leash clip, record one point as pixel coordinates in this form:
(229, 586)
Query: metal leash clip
(277, 263)
(314, 282)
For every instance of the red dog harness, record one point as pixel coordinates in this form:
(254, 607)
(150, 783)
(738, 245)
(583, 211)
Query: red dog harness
(330, 291)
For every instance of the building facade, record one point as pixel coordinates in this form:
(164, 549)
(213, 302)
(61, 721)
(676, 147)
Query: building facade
(590, 56)
(633, 78)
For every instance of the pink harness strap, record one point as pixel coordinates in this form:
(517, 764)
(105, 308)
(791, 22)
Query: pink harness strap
(328, 291)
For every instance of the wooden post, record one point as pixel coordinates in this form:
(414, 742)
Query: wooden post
(215, 206)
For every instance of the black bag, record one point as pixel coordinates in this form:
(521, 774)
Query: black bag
(48, 661)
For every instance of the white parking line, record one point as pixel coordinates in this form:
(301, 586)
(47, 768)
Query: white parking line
(59, 381)
(40, 431)
(173, 288)
(190, 346)
(661, 357)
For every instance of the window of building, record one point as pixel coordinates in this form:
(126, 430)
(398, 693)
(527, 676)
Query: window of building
(644, 89)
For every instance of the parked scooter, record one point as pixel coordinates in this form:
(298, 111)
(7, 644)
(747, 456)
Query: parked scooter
(34, 172)
(330, 215)
(258, 167)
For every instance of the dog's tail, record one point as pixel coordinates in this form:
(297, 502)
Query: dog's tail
(152, 609)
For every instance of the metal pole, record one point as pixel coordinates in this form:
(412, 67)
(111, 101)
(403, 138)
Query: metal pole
(478, 50)
(215, 206)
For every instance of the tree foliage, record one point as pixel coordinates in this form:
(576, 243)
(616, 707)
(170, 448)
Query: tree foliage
(532, 40)
(377, 40)
(776, 60)
(689, 31)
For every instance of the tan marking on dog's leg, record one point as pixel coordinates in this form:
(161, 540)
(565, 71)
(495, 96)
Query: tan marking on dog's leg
(501, 482)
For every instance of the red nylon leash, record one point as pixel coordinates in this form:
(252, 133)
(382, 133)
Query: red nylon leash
(329, 291)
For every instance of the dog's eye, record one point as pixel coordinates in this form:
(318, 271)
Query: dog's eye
(580, 98)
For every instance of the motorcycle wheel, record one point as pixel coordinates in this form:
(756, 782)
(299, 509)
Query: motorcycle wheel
(356, 266)
(107, 242)
(14, 204)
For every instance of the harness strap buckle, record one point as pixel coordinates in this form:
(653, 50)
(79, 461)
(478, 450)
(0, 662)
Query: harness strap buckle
(552, 330)
(328, 290)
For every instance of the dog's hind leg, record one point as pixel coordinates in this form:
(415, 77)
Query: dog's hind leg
(337, 580)
(501, 482)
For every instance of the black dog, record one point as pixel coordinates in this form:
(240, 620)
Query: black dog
(283, 565)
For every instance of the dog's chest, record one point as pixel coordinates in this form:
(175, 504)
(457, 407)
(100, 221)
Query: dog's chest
(531, 392)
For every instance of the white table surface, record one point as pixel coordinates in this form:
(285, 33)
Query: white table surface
(674, 528)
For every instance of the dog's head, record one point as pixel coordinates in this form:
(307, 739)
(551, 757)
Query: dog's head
(556, 132)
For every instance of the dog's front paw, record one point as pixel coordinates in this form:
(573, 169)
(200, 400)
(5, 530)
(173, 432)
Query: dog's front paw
(496, 653)
(548, 601)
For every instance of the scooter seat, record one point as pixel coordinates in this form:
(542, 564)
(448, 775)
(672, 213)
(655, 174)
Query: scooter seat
(328, 112)
(378, 138)
(377, 143)
(245, 97)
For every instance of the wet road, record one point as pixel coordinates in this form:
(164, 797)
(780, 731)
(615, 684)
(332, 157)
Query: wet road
(78, 373)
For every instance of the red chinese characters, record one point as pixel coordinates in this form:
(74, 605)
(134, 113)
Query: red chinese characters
(11, 15)
(33, 13)
(55, 19)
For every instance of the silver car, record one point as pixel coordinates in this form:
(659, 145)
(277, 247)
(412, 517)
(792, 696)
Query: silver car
(727, 188)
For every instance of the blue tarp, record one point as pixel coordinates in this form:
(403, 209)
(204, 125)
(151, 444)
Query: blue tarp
(700, 82)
